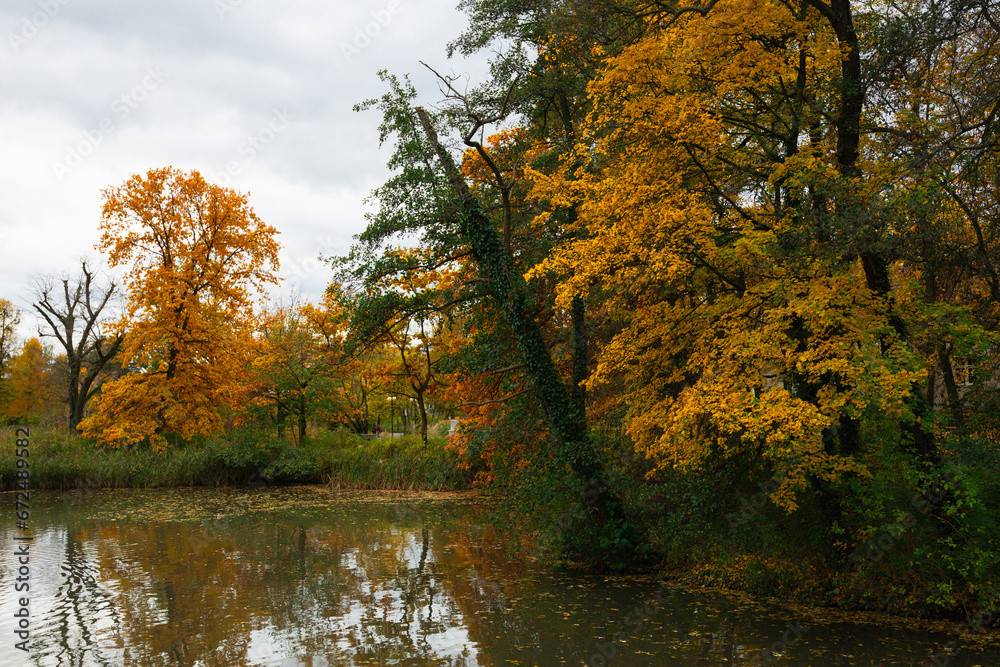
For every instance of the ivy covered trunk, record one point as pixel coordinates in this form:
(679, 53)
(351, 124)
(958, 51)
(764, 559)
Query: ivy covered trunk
(563, 410)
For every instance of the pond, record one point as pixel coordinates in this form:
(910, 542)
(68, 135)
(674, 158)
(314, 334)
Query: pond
(306, 576)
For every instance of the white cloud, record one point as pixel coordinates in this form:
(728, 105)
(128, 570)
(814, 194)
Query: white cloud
(119, 87)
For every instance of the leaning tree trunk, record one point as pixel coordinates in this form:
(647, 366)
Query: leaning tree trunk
(564, 415)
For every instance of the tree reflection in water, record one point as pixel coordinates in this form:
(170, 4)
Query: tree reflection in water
(301, 576)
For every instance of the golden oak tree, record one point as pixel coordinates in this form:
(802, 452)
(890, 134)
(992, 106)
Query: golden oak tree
(722, 214)
(195, 255)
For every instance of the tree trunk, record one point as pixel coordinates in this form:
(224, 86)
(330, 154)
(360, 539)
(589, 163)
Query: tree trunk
(565, 418)
(579, 314)
(951, 387)
(279, 420)
(873, 261)
(302, 420)
(73, 395)
(423, 416)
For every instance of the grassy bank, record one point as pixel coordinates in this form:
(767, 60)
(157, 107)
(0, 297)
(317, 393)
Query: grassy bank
(243, 457)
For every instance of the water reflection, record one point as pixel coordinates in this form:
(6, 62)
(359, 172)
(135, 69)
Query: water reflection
(304, 577)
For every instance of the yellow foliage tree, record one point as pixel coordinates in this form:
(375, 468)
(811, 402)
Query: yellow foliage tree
(196, 254)
(31, 389)
(719, 204)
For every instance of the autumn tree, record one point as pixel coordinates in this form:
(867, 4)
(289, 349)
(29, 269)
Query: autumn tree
(766, 249)
(195, 254)
(697, 191)
(33, 383)
(360, 388)
(430, 198)
(416, 346)
(403, 315)
(301, 363)
(75, 310)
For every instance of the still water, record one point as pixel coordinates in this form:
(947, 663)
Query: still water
(305, 576)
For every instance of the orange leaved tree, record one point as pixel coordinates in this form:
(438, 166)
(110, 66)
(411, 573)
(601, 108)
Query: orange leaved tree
(196, 254)
(32, 384)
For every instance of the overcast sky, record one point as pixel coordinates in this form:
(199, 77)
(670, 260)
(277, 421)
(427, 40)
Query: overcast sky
(256, 94)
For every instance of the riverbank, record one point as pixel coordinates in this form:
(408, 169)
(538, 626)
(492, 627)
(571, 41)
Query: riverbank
(243, 457)
(765, 560)
(304, 560)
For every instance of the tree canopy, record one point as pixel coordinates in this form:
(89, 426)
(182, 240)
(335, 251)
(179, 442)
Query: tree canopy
(194, 254)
